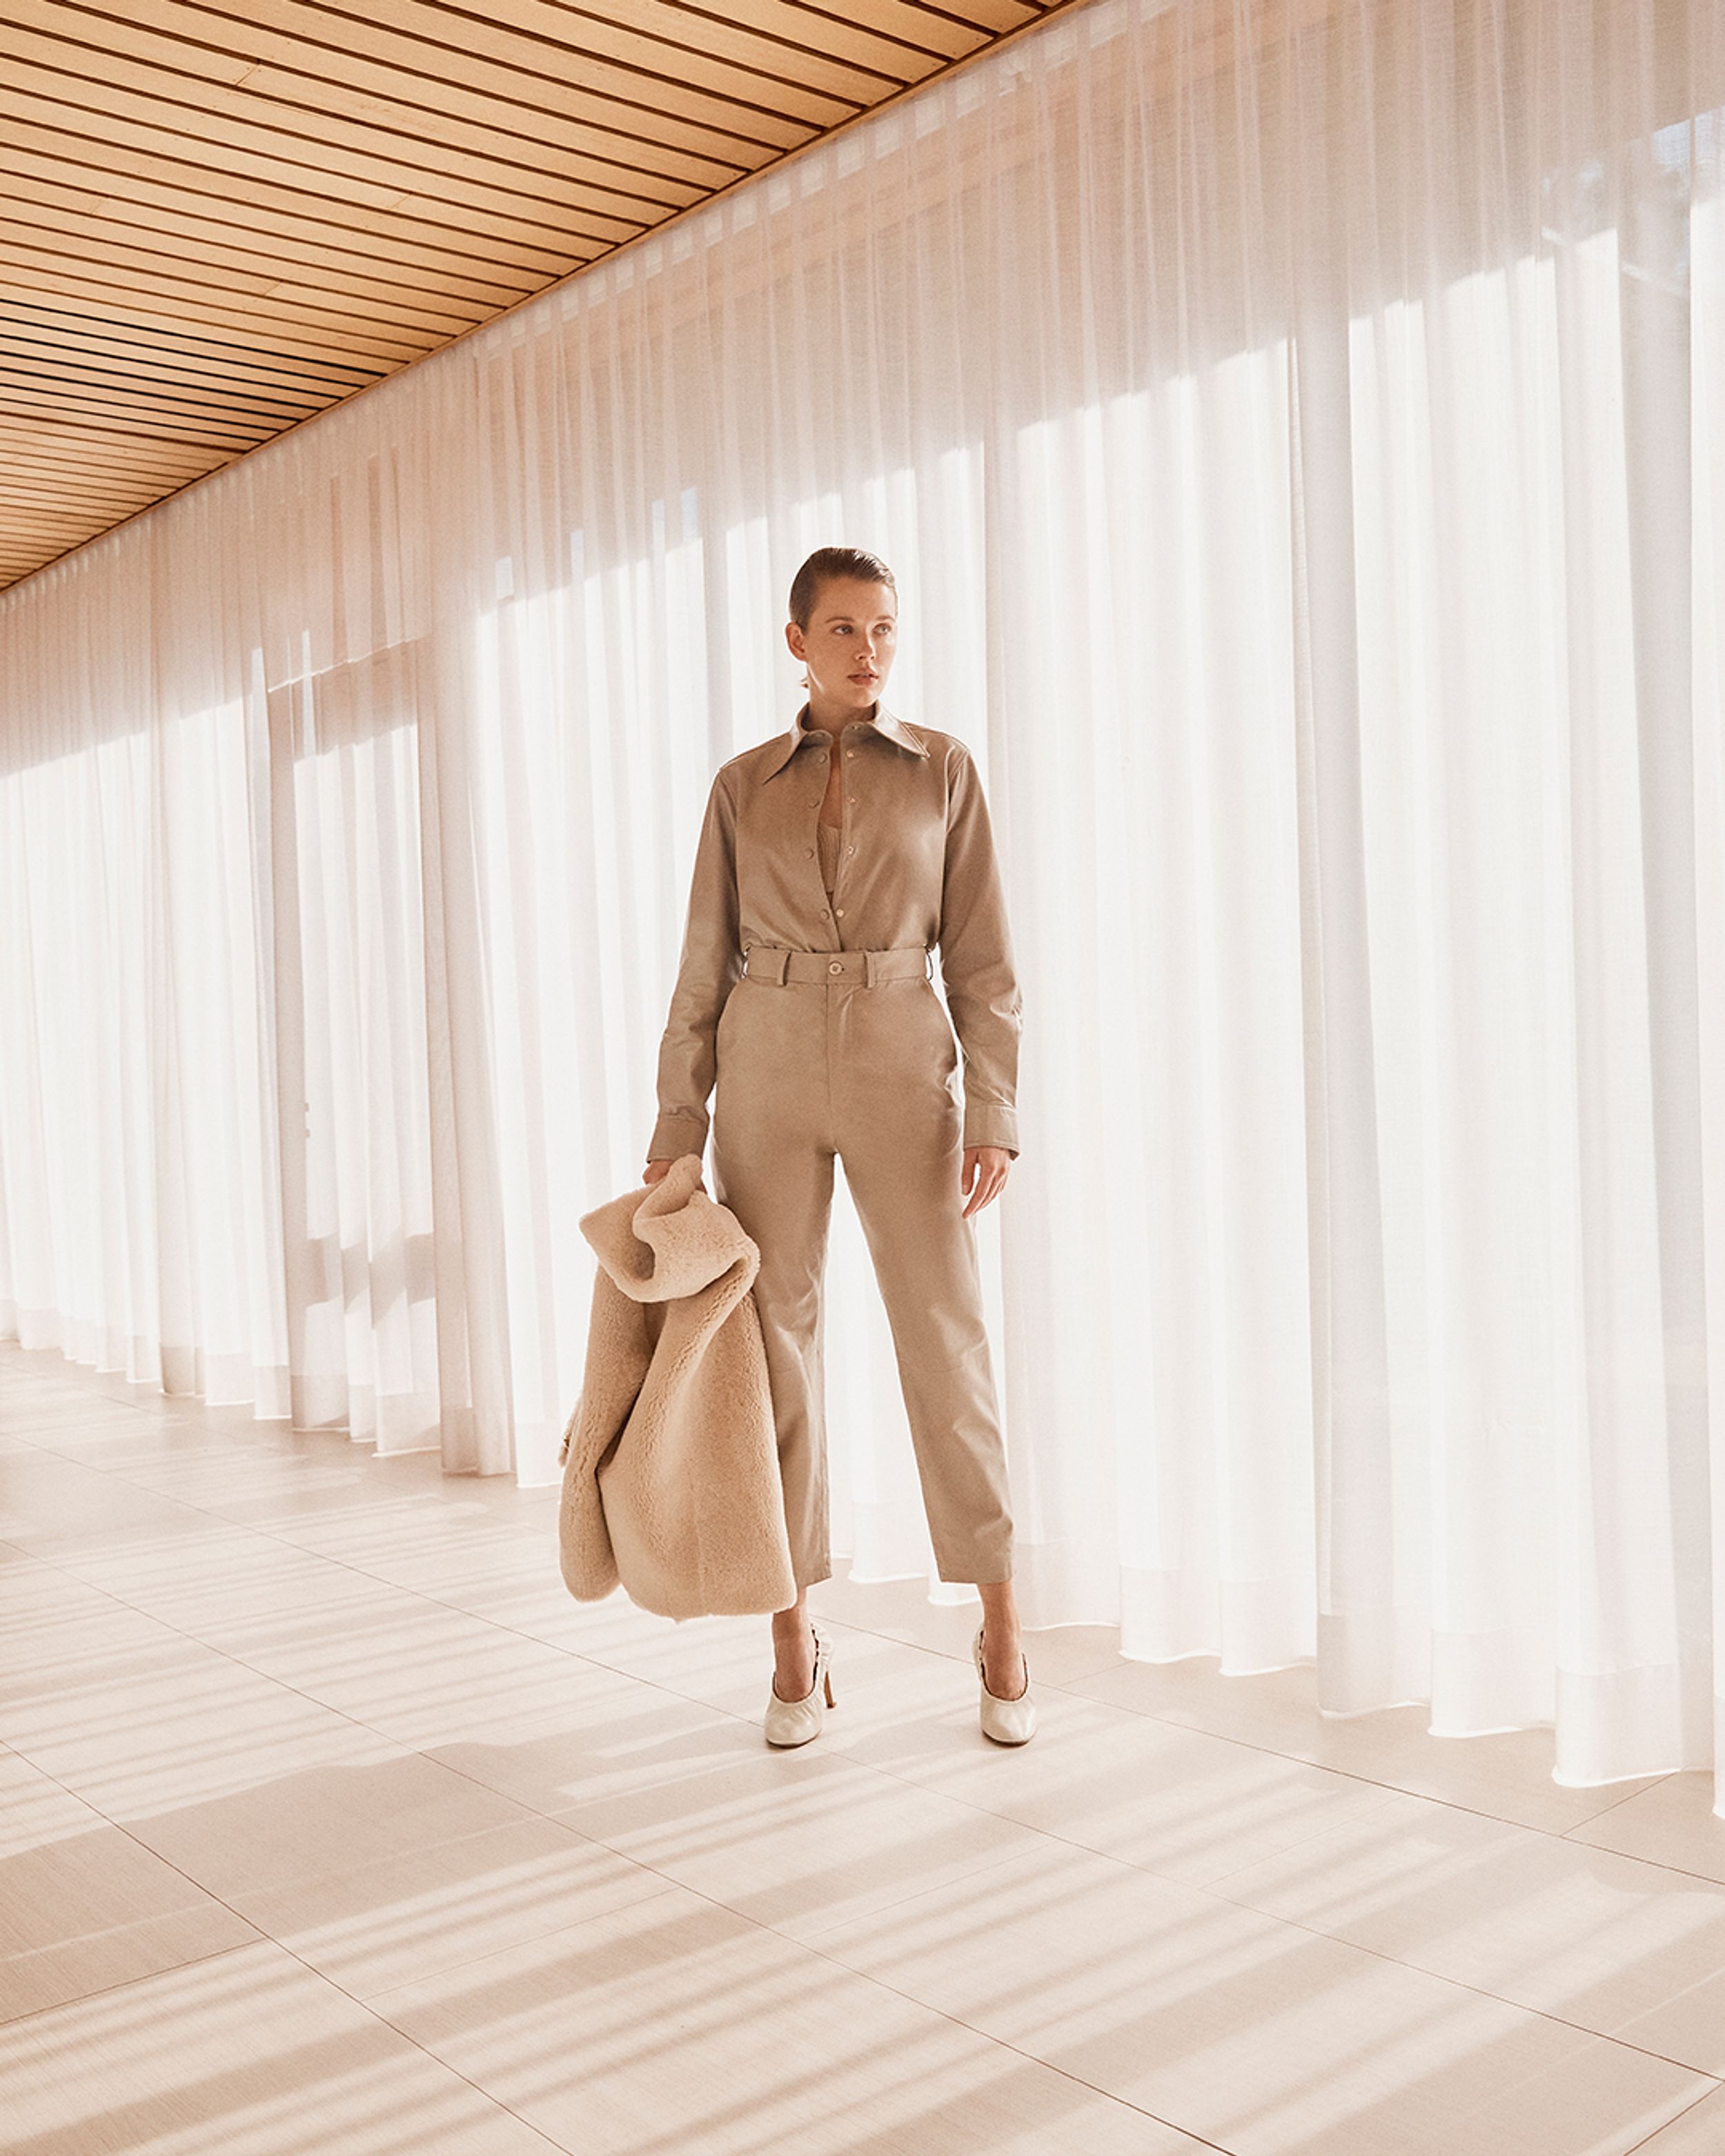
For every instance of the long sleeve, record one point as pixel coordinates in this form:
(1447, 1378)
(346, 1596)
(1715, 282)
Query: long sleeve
(709, 966)
(976, 967)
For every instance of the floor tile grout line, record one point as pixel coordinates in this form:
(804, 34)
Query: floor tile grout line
(482, 1618)
(865, 1976)
(1644, 1784)
(1351, 1773)
(1391, 1788)
(436, 1601)
(1479, 1991)
(1269, 1750)
(1647, 2140)
(904, 1781)
(231, 1441)
(130, 1982)
(1205, 1892)
(1295, 1923)
(669, 1885)
(248, 1946)
(810, 1944)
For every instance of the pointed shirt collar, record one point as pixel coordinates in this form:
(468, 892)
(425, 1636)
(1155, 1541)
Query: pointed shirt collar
(885, 722)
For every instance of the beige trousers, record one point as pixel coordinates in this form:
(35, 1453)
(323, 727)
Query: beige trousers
(850, 1053)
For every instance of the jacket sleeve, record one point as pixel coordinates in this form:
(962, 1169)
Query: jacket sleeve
(977, 966)
(709, 966)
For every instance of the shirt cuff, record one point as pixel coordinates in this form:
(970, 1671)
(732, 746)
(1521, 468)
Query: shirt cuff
(987, 1123)
(677, 1131)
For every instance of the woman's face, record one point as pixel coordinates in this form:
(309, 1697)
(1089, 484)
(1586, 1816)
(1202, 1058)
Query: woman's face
(847, 648)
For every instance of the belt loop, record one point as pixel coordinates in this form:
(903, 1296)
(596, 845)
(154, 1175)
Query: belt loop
(868, 969)
(928, 960)
(774, 958)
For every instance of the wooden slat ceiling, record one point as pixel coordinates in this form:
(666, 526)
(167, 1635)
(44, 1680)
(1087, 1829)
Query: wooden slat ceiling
(221, 219)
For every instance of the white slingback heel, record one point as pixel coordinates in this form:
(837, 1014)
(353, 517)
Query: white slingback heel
(795, 1720)
(1007, 1721)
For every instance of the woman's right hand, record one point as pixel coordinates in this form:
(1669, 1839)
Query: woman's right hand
(656, 1171)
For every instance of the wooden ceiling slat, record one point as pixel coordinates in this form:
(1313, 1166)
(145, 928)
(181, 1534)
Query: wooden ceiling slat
(58, 293)
(21, 469)
(272, 296)
(227, 215)
(135, 490)
(229, 152)
(224, 425)
(87, 388)
(43, 206)
(404, 239)
(995, 17)
(300, 110)
(134, 487)
(417, 44)
(665, 49)
(214, 374)
(509, 130)
(146, 338)
(206, 432)
(287, 38)
(60, 532)
(51, 429)
(285, 329)
(54, 440)
(323, 167)
(32, 484)
(788, 25)
(20, 490)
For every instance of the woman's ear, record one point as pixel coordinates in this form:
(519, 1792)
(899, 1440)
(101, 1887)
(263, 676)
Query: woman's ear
(793, 636)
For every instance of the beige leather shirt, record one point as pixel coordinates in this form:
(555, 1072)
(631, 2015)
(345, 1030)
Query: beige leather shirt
(916, 866)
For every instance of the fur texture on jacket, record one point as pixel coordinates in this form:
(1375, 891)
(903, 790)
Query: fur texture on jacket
(670, 1461)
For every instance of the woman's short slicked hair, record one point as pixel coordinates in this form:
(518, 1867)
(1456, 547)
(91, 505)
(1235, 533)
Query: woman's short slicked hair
(828, 565)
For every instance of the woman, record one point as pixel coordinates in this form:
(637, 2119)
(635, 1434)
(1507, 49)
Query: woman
(832, 860)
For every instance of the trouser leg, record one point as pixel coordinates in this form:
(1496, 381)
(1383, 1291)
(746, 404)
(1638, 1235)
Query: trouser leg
(772, 1166)
(898, 1122)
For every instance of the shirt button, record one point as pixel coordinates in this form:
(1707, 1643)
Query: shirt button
(809, 851)
(841, 913)
(850, 850)
(850, 752)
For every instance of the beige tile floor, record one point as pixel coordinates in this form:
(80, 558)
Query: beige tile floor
(331, 1825)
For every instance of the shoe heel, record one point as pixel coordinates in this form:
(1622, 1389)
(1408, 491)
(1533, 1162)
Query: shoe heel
(831, 1702)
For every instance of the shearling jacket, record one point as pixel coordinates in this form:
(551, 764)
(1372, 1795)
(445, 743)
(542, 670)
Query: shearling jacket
(916, 864)
(671, 1462)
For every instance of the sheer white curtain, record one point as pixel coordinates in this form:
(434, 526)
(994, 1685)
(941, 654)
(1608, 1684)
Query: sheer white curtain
(1299, 433)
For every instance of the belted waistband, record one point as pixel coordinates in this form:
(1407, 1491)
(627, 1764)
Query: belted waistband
(775, 961)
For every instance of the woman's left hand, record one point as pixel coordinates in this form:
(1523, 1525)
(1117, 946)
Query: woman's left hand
(985, 1168)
